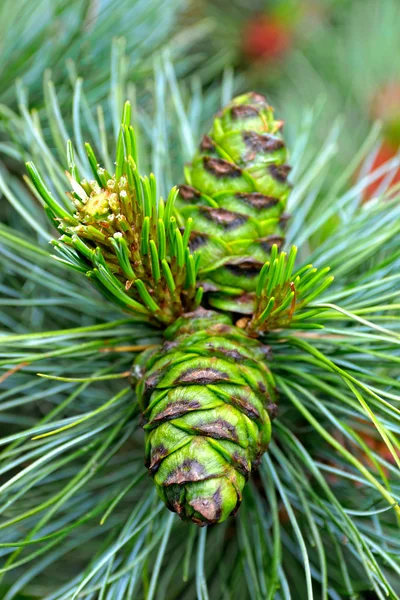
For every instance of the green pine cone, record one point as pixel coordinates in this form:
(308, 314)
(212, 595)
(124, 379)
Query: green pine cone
(207, 400)
(236, 191)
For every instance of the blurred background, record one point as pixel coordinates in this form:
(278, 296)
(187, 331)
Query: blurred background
(338, 58)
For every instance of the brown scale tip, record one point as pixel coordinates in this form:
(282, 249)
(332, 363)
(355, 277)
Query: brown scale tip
(272, 240)
(262, 142)
(223, 217)
(188, 193)
(201, 376)
(200, 312)
(197, 239)
(169, 345)
(272, 410)
(209, 287)
(244, 111)
(245, 298)
(258, 200)
(283, 220)
(247, 267)
(241, 464)
(245, 406)
(175, 410)
(206, 144)
(221, 167)
(151, 382)
(232, 354)
(258, 98)
(189, 470)
(279, 172)
(209, 508)
(157, 454)
(219, 429)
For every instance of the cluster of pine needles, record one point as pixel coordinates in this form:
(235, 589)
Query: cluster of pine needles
(79, 516)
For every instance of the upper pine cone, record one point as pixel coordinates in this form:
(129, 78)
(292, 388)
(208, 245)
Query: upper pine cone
(236, 191)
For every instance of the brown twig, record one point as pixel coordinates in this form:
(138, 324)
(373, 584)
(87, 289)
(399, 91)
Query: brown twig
(13, 370)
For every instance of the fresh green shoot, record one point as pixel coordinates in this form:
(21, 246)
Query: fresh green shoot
(283, 297)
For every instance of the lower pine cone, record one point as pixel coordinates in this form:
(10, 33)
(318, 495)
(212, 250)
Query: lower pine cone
(207, 399)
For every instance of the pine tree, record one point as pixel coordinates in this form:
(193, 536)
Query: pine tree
(319, 515)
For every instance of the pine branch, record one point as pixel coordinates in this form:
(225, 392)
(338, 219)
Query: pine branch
(316, 515)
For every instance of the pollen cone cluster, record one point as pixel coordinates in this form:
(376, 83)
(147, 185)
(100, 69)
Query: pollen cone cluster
(207, 398)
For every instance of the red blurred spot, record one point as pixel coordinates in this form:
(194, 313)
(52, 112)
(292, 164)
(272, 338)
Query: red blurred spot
(266, 38)
(386, 103)
(386, 152)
